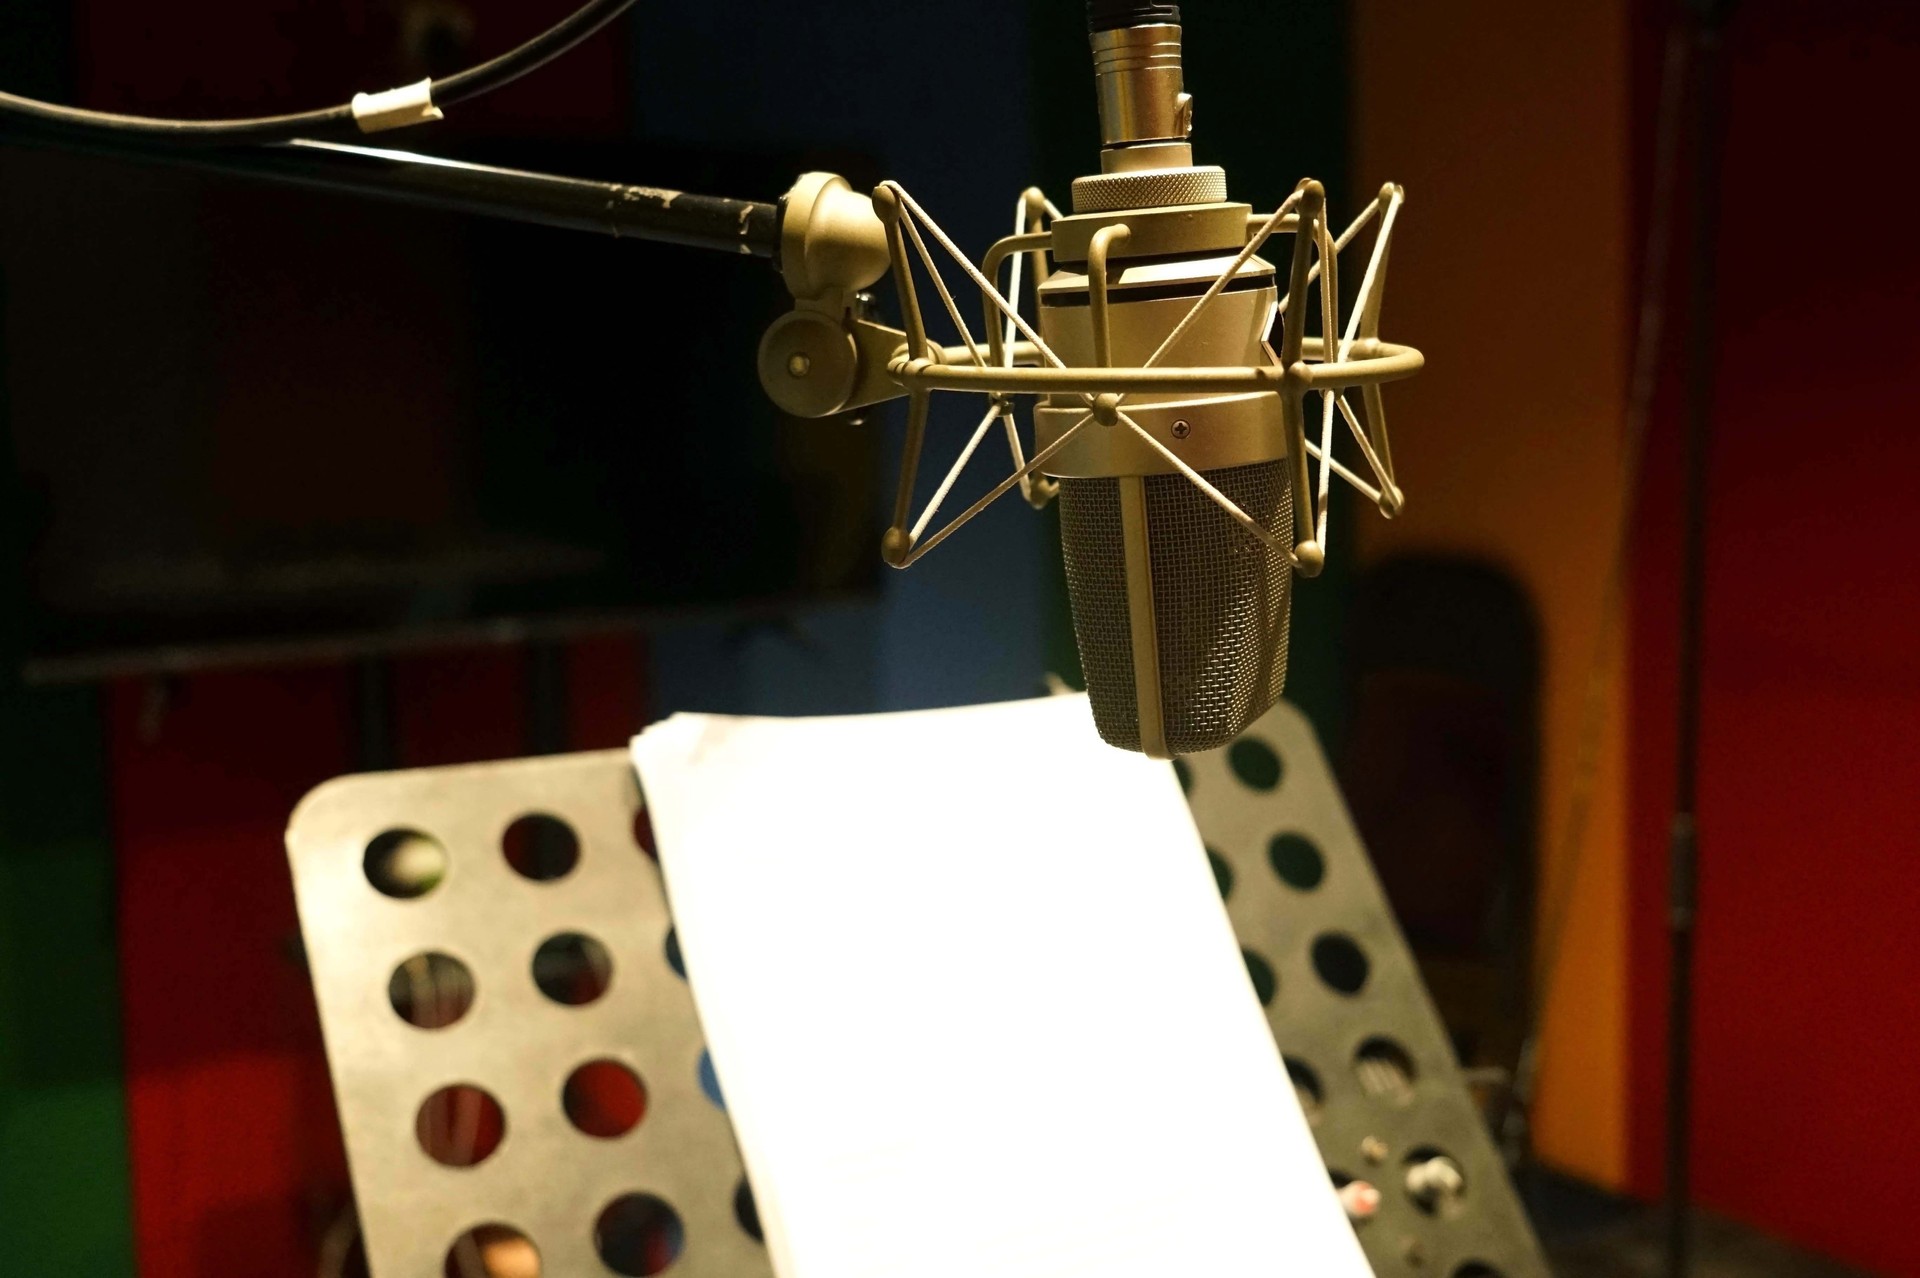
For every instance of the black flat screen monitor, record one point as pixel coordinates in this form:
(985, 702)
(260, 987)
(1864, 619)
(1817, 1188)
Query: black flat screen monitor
(249, 421)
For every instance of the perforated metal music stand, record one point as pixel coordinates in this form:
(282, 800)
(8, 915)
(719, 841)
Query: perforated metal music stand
(547, 1180)
(1367, 1051)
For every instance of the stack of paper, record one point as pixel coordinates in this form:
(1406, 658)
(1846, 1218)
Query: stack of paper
(975, 1004)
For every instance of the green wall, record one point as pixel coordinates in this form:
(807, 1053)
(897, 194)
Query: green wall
(65, 1199)
(65, 1196)
(65, 1202)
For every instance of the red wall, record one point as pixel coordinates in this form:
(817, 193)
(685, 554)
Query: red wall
(1808, 1021)
(235, 1146)
(235, 1149)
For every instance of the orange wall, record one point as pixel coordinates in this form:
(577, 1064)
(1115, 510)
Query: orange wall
(1507, 121)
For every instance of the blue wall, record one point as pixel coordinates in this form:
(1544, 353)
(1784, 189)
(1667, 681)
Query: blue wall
(942, 102)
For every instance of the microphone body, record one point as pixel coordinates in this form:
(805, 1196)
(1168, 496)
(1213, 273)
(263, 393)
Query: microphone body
(1181, 618)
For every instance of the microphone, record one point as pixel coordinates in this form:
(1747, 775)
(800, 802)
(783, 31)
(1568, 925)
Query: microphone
(1172, 366)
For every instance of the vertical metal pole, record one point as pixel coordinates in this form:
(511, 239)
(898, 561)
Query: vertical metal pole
(1683, 839)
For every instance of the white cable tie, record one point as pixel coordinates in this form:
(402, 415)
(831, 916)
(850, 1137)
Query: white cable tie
(396, 108)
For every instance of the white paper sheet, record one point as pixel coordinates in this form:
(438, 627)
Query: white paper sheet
(975, 1005)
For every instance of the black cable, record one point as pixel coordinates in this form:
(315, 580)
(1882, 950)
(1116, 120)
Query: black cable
(454, 89)
(542, 49)
(1112, 15)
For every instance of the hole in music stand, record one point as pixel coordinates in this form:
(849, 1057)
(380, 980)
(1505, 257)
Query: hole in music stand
(747, 1212)
(1385, 1070)
(431, 990)
(1297, 861)
(499, 1251)
(1260, 972)
(1340, 962)
(638, 1235)
(404, 864)
(460, 1125)
(572, 968)
(604, 1098)
(1306, 1087)
(541, 847)
(1255, 763)
(1222, 872)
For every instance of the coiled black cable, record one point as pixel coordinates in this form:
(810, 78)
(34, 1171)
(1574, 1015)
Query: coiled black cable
(460, 87)
(1111, 15)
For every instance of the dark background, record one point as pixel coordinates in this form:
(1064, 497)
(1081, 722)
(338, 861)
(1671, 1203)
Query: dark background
(300, 486)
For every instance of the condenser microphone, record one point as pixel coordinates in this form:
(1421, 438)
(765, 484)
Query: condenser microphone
(1171, 365)
(1181, 617)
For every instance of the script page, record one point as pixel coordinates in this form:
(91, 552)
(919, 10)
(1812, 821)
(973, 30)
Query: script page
(975, 1005)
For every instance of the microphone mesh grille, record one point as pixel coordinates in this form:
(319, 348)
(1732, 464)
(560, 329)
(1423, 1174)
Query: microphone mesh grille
(1096, 563)
(1221, 603)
